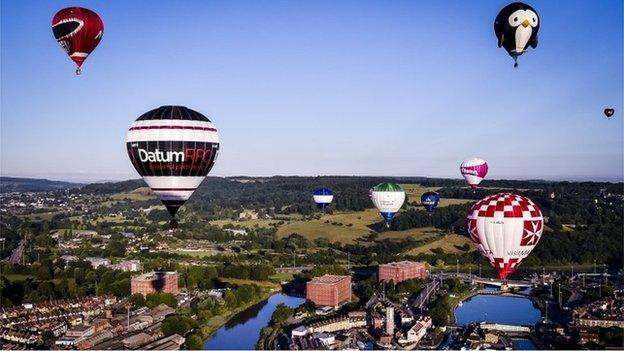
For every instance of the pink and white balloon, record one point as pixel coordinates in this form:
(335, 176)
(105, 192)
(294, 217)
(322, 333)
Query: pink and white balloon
(505, 228)
(474, 170)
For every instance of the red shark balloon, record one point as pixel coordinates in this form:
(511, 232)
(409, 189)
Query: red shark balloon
(79, 31)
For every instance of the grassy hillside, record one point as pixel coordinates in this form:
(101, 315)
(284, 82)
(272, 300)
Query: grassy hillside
(11, 184)
(450, 243)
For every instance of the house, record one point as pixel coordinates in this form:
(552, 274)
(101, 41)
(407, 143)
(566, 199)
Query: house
(300, 331)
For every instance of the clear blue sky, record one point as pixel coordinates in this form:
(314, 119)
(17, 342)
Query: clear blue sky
(403, 88)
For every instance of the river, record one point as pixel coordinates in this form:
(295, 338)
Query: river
(242, 331)
(502, 310)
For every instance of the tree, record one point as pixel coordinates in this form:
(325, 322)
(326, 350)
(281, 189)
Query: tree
(137, 300)
(79, 276)
(177, 325)
(116, 248)
(281, 314)
(44, 272)
(230, 299)
(439, 316)
(194, 342)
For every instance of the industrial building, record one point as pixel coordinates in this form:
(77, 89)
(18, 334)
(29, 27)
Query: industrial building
(329, 290)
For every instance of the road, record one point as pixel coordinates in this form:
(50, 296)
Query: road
(17, 253)
(420, 303)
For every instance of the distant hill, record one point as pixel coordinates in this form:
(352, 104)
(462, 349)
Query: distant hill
(11, 184)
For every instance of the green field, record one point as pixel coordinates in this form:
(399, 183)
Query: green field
(197, 254)
(140, 194)
(416, 233)
(449, 243)
(415, 191)
(342, 227)
(43, 216)
(346, 227)
(281, 277)
(248, 223)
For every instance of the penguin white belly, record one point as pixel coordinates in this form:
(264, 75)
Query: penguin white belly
(522, 38)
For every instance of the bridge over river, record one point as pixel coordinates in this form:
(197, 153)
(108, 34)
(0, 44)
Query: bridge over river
(474, 279)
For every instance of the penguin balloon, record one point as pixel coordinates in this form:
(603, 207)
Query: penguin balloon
(516, 27)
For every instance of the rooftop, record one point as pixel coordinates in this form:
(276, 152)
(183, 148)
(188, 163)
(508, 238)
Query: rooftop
(152, 275)
(329, 279)
(403, 264)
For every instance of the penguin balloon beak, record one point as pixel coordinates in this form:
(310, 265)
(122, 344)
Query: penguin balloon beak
(525, 23)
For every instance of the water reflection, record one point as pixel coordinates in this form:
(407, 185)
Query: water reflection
(497, 309)
(242, 331)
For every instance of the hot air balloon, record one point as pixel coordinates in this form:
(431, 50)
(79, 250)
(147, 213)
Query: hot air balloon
(505, 227)
(430, 201)
(516, 27)
(323, 197)
(78, 31)
(173, 148)
(609, 112)
(474, 170)
(388, 198)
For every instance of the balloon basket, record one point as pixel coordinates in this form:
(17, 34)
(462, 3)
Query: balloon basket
(78, 71)
(173, 224)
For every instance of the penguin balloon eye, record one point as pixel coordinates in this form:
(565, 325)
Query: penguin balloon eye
(515, 18)
(533, 16)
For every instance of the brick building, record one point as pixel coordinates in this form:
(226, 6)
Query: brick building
(401, 271)
(154, 282)
(329, 290)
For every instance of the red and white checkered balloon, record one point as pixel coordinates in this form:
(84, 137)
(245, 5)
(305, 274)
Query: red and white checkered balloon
(505, 228)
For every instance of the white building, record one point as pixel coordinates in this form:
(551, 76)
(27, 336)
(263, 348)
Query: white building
(98, 261)
(417, 331)
(390, 320)
(128, 266)
(301, 330)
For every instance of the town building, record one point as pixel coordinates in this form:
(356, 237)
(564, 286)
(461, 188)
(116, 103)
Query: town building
(389, 320)
(604, 313)
(401, 271)
(127, 266)
(417, 331)
(329, 290)
(98, 261)
(155, 282)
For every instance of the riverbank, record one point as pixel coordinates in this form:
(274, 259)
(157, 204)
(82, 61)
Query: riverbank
(208, 328)
(243, 330)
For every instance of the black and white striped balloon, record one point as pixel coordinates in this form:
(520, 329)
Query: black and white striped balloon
(173, 148)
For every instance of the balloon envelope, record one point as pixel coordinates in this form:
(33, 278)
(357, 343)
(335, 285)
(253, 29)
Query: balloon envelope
(388, 198)
(474, 170)
(323, 197)
(173, 148)
(78, 31)
(430, 200)
(516, 27)
(505, 228)
(609, 112)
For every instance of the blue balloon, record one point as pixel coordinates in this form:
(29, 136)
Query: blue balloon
(323, 197)
(430, 201)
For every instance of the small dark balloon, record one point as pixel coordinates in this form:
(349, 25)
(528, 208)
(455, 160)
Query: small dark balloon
(609, 112)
